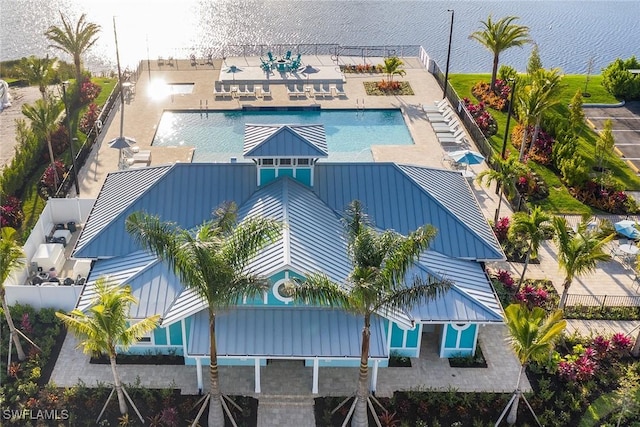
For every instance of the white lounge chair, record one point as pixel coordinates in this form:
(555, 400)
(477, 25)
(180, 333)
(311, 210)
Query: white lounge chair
(338, 90)
(446, 127)
(291, 91)
(317, 91)
(265, 92)
(326, 90)
(246, 91)
(219, 91)
(445, 117)
(438, 107)
(300, 90)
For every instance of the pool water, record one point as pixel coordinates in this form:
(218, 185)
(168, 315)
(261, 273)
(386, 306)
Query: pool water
(218, 135)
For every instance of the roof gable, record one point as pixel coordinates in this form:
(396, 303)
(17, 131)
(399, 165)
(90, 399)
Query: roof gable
(285, 141)
(394, 200)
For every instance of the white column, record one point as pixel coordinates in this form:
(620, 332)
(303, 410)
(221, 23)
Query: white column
(316, 366)
(256, 367)
(199, 373)
(374, 375)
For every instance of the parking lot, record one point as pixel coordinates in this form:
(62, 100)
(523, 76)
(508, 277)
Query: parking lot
(626, 128)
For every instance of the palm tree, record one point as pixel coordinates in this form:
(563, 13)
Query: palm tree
(579, 252)
(37, 71)
(44, 122)
(376, 283)
(11, 258)
(392, 66)
(533, 336)
(74, 41)
(106, 327)
(530, 227)
(499, 36)
(212, 261)
(505, 174)
(548, 84)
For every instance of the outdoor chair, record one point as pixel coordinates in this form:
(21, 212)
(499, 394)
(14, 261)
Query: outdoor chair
(287, 56)
(265, 92)
(338, 90)
(295, 64)
(271, 57)
(439, 106)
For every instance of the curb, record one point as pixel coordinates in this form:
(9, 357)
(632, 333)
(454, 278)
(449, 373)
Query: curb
(619, 104)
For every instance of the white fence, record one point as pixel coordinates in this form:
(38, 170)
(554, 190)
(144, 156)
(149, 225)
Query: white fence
(57, 211)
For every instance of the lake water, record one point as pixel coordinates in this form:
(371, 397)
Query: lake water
(568, 33)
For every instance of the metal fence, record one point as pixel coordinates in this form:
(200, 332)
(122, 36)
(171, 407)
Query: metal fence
(85, 149)
(518, 202)
(603, 300)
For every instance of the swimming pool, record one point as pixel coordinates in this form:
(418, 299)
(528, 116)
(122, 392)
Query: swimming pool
(218, 135)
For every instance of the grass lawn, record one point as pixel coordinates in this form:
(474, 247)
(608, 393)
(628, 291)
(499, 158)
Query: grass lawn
(559, 200)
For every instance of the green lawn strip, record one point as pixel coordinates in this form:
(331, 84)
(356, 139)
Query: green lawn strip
(600, 409)
(559, 200)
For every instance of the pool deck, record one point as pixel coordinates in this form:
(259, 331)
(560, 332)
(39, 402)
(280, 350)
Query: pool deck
(143, 113)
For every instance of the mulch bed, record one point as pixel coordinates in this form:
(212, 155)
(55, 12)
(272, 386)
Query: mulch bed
(372, 89)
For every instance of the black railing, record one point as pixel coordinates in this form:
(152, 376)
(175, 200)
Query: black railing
(85, 149)
(518, 202)
(603, 300)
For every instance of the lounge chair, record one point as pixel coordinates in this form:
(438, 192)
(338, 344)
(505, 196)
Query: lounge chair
(291, 91)
(438, 107)
(300, 90)
(218, 90)
(446, 127)
(247, 91)
(141, 156)
(317, 91)
(338, 90)
(446, 117)
(265, 92)
(326, 90)
(209, 59)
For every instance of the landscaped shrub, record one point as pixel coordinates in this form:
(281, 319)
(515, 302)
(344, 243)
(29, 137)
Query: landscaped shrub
(541, 151)
(47, 185)
(482, 117)
(579, 366)
(11, 213)
(598, 313)
(532, 186)
(89, 91)
(501, 228)
(619, 81)
(88, 119)
(604, 198)
(532, 296)
(25, 161)
(497, 99)
(59, 142)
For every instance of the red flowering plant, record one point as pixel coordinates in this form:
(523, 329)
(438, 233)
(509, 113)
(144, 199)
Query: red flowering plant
(88, 91)
(532, 186)
(532, 297)
(59, 142)
(485, 121)
(88, 119)
(605, 198)
(11, 213)
(47, 184)
(620, 345)
(498, 99)
(580, 366)
(501, 229)
(540, 152)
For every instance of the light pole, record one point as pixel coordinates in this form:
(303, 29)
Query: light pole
(73, 156)
(506, 131)
(446, 73)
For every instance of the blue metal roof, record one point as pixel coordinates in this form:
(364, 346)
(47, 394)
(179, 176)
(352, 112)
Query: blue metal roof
(284, 141)
(152, 283)
(470, 298)
(312, 238)
(286, 332)
(394, 200)
(185, 193)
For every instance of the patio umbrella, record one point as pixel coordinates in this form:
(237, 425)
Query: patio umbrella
(309, 69)
(120, 143)
(467, 157)
(233, 70)
(627, 228)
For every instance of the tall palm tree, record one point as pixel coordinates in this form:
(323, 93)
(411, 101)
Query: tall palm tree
(74, 40)
(106, 327)
(533, 335)
(529, 226)
(44, 122)
(505, 174)
(11, 258)
(376, 283)
(578, 252)
(37, 71)
(393, 67)
(499, 36)
(548, 86)
(212, 261)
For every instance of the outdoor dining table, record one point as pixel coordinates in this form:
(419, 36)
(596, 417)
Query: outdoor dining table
(630, 251)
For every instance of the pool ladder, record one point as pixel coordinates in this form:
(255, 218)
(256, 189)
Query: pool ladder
(358, 105)
(206, 107)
